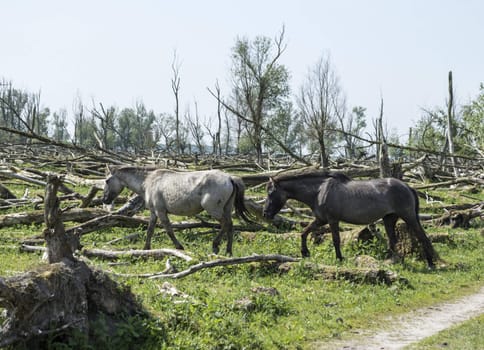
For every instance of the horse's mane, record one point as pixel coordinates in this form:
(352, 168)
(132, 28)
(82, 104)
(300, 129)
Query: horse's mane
(133, 168)
(309, 173)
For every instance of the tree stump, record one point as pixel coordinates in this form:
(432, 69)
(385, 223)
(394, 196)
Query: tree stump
(63, 295)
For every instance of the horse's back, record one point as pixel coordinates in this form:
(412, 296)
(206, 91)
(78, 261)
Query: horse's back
(365, 201)
(187, 193)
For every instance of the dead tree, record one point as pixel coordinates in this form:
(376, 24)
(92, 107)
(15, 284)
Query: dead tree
(450, 124)
(384, 161)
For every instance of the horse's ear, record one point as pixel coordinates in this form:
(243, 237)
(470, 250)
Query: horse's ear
(271, 181)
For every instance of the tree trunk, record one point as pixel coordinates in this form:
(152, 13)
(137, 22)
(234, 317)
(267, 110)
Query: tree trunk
(450, 124)
(385, 168)
(324, 161)
(59, 245)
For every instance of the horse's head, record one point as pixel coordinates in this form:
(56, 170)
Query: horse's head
(276, 198)
(112, 188)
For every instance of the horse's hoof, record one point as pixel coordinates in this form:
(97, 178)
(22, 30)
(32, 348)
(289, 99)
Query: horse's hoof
(305, 254)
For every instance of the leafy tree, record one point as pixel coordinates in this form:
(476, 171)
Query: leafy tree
(125, 129)
(285, 127)
(21, 111)
(473, 125)
(429, 131)
(58, 124)
(135, 129)
(260, 84)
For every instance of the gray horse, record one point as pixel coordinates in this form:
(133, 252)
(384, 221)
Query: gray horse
(333, 197)
(181, 193)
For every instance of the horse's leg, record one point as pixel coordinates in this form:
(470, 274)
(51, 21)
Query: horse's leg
(334, 225)
(226, 227)
(389, 221)
(224, 216)
(150, 230)
(415, 226)
(230, 236)
(169, 229)
(313, 225)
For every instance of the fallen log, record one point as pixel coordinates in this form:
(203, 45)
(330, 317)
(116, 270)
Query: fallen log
(13, 175)
(257, 179)
(116, 220)
(37, 216)
(460, 218)
(211, 264)
(134, 253)
(355, 274)
(460, 180)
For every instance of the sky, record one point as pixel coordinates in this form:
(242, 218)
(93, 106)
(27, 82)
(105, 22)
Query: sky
(119, 52)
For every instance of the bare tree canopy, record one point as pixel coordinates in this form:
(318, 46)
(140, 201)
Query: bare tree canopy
(321, 102)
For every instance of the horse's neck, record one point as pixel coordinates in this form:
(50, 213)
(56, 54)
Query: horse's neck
(305, 192)
(136, 182)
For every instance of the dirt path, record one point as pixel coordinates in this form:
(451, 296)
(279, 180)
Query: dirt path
(414, 326)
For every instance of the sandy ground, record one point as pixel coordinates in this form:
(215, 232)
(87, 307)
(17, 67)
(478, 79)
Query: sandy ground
(414, 326)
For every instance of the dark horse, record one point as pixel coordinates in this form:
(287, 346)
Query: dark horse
(334, 197)
(181, 193)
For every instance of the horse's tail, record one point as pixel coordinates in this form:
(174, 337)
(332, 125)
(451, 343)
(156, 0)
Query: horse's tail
(427, 244)
(239, 204)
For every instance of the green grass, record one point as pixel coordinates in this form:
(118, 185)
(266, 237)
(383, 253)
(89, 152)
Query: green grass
(468, 335)
(306, 309)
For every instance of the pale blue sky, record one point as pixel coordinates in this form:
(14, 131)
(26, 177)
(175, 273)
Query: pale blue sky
(118, 52)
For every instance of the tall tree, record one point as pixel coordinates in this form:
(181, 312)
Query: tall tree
(352, 127)
(21, 111)
(58, 124)
(165, 132)
(84, 126)
(429, 131)
(135, 129)
(196, 130)
(175, 87)
(451, 123)
(473, 127)
(259, 83)
(217, 144)
(106, 125)
(286, 127)
(320, 102)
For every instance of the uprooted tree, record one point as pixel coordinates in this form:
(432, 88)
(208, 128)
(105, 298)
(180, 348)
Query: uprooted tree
(63, 295)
